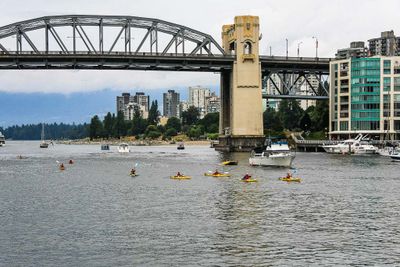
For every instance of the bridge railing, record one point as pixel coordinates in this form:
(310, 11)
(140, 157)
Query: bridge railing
(116, 53)
(318, 59)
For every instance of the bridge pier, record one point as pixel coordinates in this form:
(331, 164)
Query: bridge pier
(241, 116)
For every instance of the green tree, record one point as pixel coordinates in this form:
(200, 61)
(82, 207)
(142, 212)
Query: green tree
(210, 122)
(195, 132)
(96, 128)
(271, 120)
(190, 116)
(138, 123)
(175, 123)
(119, 128)
(154, 114)
(305, 122)
(290, 113)
(108, 123)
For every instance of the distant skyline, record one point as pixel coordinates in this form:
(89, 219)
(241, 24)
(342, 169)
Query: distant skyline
(78, 107)
(335, 23)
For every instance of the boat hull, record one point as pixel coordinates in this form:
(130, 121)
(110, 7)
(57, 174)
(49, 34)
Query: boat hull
(395, 157)
(284, 161)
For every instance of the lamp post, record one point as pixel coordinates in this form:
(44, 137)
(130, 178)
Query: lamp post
(287, 47)
(316, 46)
(298, 49)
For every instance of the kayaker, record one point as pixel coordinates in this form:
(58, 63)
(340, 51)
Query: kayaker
(288, 175)
(246, 177)
(216, 172)
(62, 166)
(179, 174)
(71, 161)
(133, 171)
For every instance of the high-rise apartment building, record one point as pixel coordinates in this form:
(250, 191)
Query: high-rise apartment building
(127, 102)
(356, 49)
(365, 97)
(213, 103)
(171, 104)
(387, 45)
(197, 98)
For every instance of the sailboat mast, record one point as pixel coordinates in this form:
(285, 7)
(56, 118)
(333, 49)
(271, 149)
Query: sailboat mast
(42, 135)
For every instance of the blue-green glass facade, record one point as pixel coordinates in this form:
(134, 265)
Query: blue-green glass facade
(365, 93)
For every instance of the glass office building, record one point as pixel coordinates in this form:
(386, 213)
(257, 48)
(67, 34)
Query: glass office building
(365, 97)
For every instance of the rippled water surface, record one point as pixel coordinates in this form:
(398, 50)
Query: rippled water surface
(345, 212)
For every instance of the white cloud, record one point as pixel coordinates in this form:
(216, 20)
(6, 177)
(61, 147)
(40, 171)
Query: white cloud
(336, 23)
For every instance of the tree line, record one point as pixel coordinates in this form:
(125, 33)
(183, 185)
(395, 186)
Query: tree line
(289, 116)
(52, 131)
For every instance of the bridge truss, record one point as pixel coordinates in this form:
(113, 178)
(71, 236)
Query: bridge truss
(176, 39)
(136, 43)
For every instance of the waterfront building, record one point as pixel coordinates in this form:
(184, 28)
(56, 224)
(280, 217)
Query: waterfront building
(171, 104)
(386, 45)
(213, 103)
(197, 98)
(357, 49)
(365, 97)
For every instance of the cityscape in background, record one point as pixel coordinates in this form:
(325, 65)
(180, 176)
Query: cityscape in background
(172, 106)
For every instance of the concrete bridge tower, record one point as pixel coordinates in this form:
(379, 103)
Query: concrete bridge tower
(241, 117)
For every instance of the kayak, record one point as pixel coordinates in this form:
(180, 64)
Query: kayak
(133, 175)
(181, 177)
(229, 162)
(293, 179)
(217, 175)
(249, 180)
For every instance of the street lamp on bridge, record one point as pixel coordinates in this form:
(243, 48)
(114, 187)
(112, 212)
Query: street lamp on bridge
(287, 47)
(316, 46)
(298, 49)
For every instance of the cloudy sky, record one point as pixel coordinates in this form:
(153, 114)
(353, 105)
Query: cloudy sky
(336, 23)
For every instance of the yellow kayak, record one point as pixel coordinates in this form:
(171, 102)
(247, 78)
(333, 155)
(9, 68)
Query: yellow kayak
(249, 180)
(229, 162)
(293, 179)
(133, 175)
(217, 175)
(181, 177)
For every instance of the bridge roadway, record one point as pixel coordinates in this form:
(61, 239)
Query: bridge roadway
(152, 61)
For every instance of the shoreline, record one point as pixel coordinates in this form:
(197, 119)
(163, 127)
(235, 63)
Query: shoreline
(132, 143)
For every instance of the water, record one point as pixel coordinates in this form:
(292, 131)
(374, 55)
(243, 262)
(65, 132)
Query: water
(345, 211)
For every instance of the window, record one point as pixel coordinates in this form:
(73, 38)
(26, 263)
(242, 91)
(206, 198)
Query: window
(247, 48)
(386, 84)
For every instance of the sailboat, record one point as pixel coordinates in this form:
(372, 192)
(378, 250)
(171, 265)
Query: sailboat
(43, 144)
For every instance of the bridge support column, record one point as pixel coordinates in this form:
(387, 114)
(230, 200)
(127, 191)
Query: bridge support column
(241, 117)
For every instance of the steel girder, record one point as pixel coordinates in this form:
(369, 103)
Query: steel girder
(179, 34)
(298, 85)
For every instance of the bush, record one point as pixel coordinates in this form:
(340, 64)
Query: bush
(213, 136)
(170, 132)
(153, 134)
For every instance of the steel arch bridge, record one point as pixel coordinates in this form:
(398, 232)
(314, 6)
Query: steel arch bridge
(137, 43)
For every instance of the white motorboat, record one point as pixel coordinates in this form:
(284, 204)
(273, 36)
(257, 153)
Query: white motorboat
(2, 139)
(123, 148)
(272, 154)
(388, 150)
(395, 156)
(356, 146)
